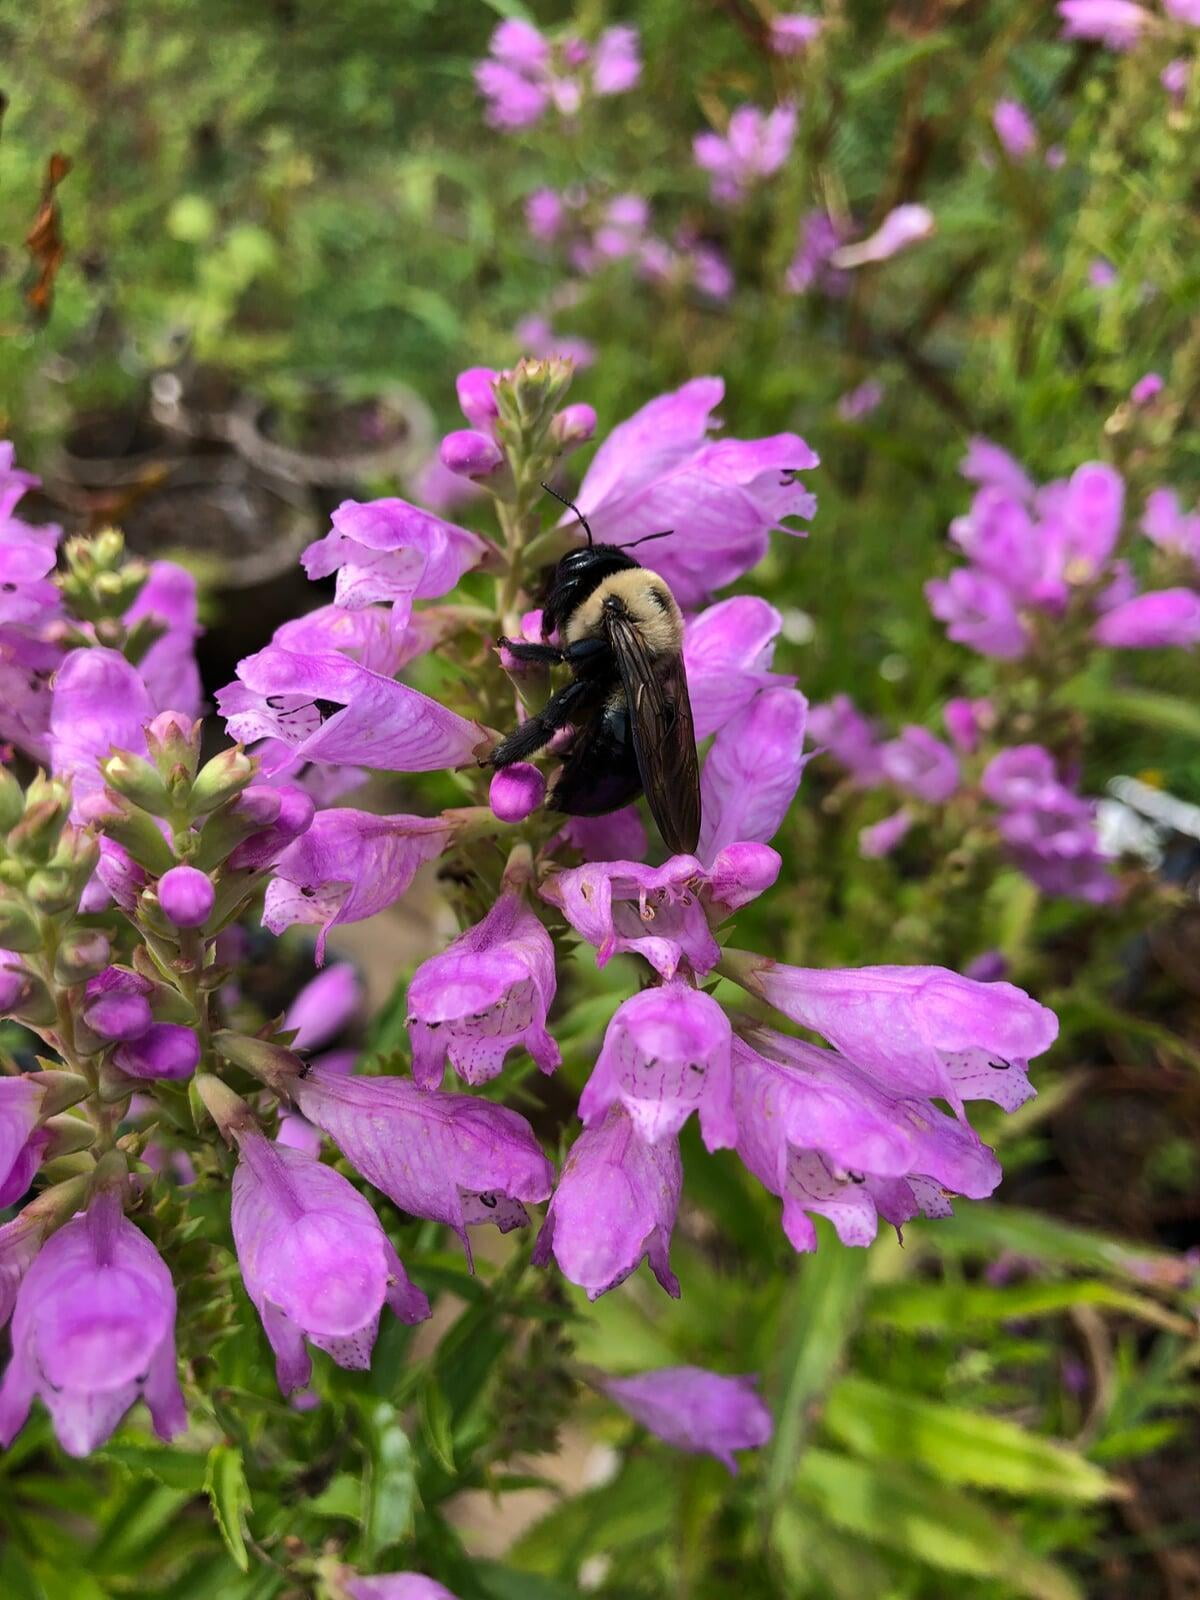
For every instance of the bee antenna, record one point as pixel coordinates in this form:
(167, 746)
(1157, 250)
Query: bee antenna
(646, 537)
(571, 506)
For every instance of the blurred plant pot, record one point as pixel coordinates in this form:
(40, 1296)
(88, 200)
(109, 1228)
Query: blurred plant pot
(194, 403)
(109, 450)
(327, 439)
(231, 526)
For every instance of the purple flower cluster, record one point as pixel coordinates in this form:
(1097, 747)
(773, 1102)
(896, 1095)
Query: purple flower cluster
(755, 146)
(1051, 552)
(525, 74)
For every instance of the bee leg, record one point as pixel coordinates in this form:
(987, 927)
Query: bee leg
(537, 731)
(520, 650)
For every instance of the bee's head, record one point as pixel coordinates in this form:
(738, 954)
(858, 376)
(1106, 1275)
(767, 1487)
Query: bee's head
(577, 575)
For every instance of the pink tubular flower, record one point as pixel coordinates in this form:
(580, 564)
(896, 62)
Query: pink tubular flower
(665, 1055)
(347, 866)
(1152, 621)
(545, 214)
(280, 813)
(792, 35)
(921, 765)
(756, 144)
(658, 470)
(537, 338)
(966, 721)
(328, 708)
(752, 772)
(115, 1004)
(696, 1411)
(1146, 389)
(978, 611)
(22, 1140)
(882, 837)
(486, 995)
(168, 669)
(840, 728)
(861, 401)
(727, 655)
(92, 1332)
(20, 1240)
(1119, 24)
(811, 269)
(395, 1586)
(100, 703)
(448, 1157)
(616, 63)
(923, 1030)
(1014, 129)
(614, 1207)
(617, 836)
(992, 467)
(325, 1006)
(661, 913)
(1167, 525)
(513, 80)
(831, 1138)
(315, 1259)
(391, 550)
(901, 228)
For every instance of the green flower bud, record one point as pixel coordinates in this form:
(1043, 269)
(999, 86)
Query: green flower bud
(134, 830)
(12, 801)
(174, 746)
(82, 954)
(529, 395)
(222, 779)
(51, 890)
(47, 806)
(136, 780)
(271, 1063)
(68, 1135)
(60, 1090)
(107, 550)
(18, 926)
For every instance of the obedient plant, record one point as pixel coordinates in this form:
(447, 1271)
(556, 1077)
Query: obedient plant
(131, 866)
(1049, 584)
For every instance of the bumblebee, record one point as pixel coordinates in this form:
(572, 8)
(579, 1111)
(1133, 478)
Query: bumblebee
(627, 703)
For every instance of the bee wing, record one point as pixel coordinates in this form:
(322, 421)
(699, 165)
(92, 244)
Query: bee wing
(664, 736)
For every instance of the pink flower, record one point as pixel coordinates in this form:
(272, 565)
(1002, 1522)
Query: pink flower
(921, 765)
(391, 550)
(1119, 24)
(486, 995)
(1152, 621)
(698, 1412)
(756, 145)
(882, 837)
(752, 772)
(1171, 528)
(92, 1332)
(657, 470)
(901, 228)
(1146, 389)
(1014, 129)
(614, 1208)
(665, 1055)
(616, 63)
(792, 35)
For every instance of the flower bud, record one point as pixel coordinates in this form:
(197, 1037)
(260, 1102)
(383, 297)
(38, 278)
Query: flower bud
(18, 928)
(574, 425)
(46, 809)
(137, 780)
(275, 1066)
(516, 791)
(116, 1004)
(165, 1050)
(83, 953)
(60, 1090)
(106, 551)
(132, 828)
(228, 1110)
(186, 897)
(471, 454)
(220, 779)
(477, 396)
(116, 591)
(534, 389)
(67, 1135)
(12, 801)
(51, 890)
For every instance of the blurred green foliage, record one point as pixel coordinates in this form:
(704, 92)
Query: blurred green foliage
(294, 189)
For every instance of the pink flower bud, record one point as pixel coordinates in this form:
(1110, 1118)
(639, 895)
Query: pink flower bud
(165, 1050)
(477, 396)
(13, 981)
(1146, 389)
(115, 1004)
(573, 425)
(471, 454)
(186, 896)
(516, 791)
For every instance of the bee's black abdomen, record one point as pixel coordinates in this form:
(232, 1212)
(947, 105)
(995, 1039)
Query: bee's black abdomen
(600, 773)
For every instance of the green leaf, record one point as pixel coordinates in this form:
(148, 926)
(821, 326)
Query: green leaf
(958, 1445)
(927, 1522)
(985, 1230)
(948, 1307)
(178, 1469)
(1144, 708)
(389, 1485)
(436, 1427)
(818, 1317)
(229, 1495)
(886, 64)
(637, 1506)
(341, 1497)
